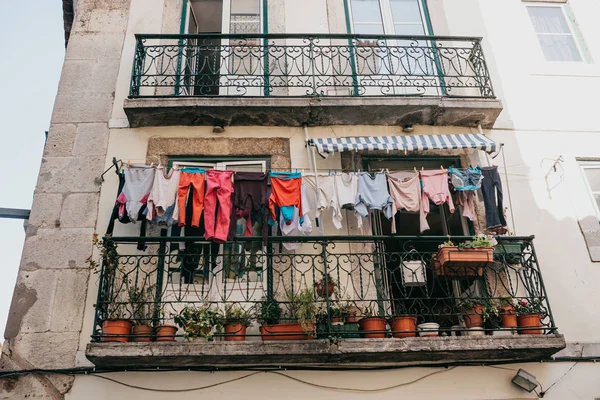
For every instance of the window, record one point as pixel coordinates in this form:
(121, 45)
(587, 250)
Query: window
(555, 33)
(591, 172)
(392, 17)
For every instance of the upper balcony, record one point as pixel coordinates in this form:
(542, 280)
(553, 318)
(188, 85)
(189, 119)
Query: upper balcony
(338, 301)
(297, 79)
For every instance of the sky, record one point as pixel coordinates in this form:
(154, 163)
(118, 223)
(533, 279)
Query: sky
(32, 52)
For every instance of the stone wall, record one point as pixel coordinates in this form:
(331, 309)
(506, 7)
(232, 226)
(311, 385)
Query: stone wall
(46, 314)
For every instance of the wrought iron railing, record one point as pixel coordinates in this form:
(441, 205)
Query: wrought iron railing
(298, 65)
(325, 278)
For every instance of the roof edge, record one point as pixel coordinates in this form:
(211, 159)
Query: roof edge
(68, 15)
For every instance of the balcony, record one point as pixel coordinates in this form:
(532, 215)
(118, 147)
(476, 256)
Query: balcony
(292, 80)
(314, 307)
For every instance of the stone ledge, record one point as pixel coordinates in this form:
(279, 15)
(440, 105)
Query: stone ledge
(344, 353)
(271, 111)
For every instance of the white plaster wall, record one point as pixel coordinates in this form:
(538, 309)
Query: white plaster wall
(461, 383)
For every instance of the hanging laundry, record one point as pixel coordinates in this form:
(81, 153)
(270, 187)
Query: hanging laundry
(405, 189)
(297, 228)
(372, 194)
(190, 178)
(249, 202)
(436, 189)
(466, 199)
(163, 193)
(217, 205)
(324, 187)
(346, 189)
(468, 179)
(138, 183)
(286, 188)
(491, 188)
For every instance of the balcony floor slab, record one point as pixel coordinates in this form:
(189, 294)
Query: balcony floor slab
(344, 353)
(322, 111)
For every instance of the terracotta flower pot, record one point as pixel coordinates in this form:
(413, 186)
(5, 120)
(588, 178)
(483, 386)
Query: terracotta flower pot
(166, 333)
(372, 324)
(529, 321)
(509, 317)
(142, 333)
(285, 332)
(235, 332)
(336, 320)
(466, 262)
(351, 319)
(325, 290)
(404, 326)
(474, 316)
(116, 330)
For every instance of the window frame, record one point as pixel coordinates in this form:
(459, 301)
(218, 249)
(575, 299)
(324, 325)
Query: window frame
(572, 25)
(591, 164)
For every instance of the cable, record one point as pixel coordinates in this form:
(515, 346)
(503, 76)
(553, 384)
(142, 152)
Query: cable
(360, 390)
(176, 390)
(543, 392)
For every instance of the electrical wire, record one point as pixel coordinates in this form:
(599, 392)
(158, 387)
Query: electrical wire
(345, 389)
(176, 390)
(543, 392)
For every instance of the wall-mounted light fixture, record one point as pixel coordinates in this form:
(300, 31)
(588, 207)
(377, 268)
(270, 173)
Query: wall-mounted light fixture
(525, 380)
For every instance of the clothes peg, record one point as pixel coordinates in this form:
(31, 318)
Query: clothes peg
(387, 170)
(415, 168)
(442, 167)
(405, 152)
(128, 163)
(329, 172)
(152, 164)
(422, 168)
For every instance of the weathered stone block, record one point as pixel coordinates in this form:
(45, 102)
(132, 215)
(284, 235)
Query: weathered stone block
(91, 140)
(61, 138)
(45, 211)
(47, 350)
(57, 248)
(69, 300)
(108, 21)
(32, 302)
(94, 46)
(88, 76)
(83, 107)
(79, 210)
(70, 174)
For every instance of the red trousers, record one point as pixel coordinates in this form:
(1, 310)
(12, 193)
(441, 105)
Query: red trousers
(196, 180)
(219, 190)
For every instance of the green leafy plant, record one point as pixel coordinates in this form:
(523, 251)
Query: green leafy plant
(303, 308)
(142, 304)
(370, 311)
(109, 257)
(478, 242)
(534, 306)
(447, 243)
(268, 312)
(199, 321)
(235, 313)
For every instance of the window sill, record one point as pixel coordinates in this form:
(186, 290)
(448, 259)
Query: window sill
(344, 353)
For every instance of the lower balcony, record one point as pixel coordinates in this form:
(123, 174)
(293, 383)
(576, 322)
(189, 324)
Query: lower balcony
(347, 302)
(299, 79)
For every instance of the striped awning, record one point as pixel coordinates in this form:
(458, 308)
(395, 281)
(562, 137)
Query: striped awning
(409, 142)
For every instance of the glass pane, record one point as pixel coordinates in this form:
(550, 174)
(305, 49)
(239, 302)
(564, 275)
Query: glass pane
(366, 11)
(368, 29)
(409, 29)
(597, 198)
(406, 11)
(245, 16)
(245, 7)
(559, 48)
(593, 178)
(548, 20)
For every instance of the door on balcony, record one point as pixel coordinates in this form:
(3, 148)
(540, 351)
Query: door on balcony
(394, 66)
(219, 67)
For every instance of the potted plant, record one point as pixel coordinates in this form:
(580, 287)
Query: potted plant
(372, 323)
(326, 286)
(198, 322)
(350, 313)
(529, 315)
(473, 313)
(466, 259)
(403, 325)
(508, 313)
(236, 321)
(268, 315)
(303, 308)
(491, 316)
(116, 323)
(165, 332)
(141, 300)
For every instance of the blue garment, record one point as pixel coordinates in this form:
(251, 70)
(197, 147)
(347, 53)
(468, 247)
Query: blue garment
(373, 194)
(470, 179)
(192, 170)
(286, 175)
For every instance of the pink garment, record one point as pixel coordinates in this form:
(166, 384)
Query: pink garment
(219, 190)
(405, 189)
(466, 199)
(436, 189)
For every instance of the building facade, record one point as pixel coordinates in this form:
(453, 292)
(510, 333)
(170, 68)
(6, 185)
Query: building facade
(318, 87)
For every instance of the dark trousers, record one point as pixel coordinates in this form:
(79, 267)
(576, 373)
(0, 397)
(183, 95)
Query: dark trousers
(491, 188)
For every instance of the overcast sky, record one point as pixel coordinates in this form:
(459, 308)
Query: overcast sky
(31, 56)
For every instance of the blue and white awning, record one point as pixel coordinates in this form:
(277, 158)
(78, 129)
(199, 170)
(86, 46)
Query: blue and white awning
(409, 142)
